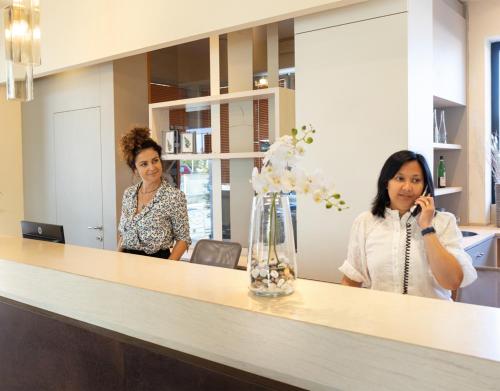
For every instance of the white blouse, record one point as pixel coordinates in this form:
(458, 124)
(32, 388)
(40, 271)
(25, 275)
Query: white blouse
(376, 253)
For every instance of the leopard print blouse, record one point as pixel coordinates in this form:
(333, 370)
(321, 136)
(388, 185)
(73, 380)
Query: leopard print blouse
(161, 222)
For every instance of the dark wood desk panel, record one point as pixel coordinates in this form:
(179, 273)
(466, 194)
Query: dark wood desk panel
(40, 350)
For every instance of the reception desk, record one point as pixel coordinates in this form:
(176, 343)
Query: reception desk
(324, 336)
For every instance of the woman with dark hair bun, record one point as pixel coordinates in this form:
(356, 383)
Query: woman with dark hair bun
(403, 245)
(154, 214)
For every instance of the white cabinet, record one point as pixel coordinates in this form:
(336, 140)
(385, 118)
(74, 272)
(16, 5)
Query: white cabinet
(352, 85)
(450, 49)
(484, 253)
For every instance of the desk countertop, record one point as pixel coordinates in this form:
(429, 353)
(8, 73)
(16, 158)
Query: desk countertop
(484, 232)
(319, 337)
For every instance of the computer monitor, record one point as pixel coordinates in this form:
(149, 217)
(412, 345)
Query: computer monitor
(40, 231)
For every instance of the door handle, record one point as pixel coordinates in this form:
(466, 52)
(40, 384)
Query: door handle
(97, 227)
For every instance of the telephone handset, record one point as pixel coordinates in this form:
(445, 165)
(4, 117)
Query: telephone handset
(406, 271)
(417, 208)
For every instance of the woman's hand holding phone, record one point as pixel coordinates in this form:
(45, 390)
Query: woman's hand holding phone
(427, 207)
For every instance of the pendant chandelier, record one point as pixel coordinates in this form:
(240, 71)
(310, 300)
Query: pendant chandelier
(22, 47)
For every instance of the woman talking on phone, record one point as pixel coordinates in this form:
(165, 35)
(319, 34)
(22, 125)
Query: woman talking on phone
(403, 245)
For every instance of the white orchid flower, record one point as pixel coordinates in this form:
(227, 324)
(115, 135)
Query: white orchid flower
(303, 185)
(281, 171)
(318, 196)
(300, 149)
(289, 181)
(259, 182)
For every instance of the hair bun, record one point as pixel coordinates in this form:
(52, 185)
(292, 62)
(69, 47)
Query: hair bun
(134, 140)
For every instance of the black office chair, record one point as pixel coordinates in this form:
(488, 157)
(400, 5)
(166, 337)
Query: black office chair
(485, 290)
(216, 253)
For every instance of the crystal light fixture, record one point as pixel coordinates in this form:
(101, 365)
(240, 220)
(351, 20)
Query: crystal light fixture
(22, 47)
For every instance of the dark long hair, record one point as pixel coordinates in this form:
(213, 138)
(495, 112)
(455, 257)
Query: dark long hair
(389, 169)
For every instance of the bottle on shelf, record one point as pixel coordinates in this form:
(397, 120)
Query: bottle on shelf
(441, 173)
(178, 130)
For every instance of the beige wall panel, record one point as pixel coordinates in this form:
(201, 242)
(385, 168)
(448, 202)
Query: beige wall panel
(76, 33)
(131, 109)
(11, 166)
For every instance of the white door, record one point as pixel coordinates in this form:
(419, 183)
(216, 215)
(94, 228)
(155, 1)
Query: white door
(78, 176)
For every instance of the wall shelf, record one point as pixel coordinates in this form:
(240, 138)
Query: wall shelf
(447, 190)
(281, 120)
(203, 102)
(207, 156)
(446, 146)
(441, 103)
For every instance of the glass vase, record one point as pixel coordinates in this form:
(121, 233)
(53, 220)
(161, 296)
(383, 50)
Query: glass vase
(436, 126)
(443, 138)
(272, 266)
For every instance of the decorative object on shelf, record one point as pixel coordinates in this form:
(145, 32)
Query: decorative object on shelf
(442, 128)
(207, 143)
(264, 145)
(262, 82)
(199, 142)
(188, 142)
(22, 47)
(169, 141)
(441, 173)
(436, 127)
(272, 263)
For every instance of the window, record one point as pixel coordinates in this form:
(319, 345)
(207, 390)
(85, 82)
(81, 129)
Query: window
(196, 183)
(495, 104)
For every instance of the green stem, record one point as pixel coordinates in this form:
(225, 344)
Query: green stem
(270, 239)
(274, 229)
(273, 216)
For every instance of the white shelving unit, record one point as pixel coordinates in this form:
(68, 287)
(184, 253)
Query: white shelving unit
(202, 102)
(281, 120)
(208, 156)
(280, 106)
(443, 146)
(454, 197)
(447, 190)
(449, 94)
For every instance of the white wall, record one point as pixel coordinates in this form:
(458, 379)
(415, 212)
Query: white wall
(84, 88)
(420, 82)
(483, 28)
(352, 85)
(11, 167)
(76, 33)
